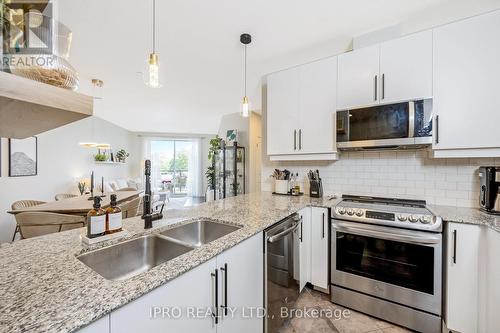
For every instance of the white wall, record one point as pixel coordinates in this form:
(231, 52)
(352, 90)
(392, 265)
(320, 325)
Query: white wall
(61, 161)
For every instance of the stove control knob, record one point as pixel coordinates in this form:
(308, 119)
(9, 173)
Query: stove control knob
(350, 212)
(413, 218)
(341, 210)
(425, 219)
(359, 212)
(402, 218)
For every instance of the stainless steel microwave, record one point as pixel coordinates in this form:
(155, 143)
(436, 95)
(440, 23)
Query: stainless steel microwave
(400, 125)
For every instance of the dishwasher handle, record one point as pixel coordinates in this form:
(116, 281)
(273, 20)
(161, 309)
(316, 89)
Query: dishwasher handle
(282, 234)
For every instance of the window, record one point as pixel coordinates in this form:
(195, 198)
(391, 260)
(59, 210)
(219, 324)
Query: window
(175, 167)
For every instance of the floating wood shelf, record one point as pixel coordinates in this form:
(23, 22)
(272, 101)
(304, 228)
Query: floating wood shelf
(29, 107)
(108, 162)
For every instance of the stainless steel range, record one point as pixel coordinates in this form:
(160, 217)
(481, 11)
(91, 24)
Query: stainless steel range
(387, 260)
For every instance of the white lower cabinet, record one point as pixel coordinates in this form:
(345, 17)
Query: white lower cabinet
(186, 303)
(313, 247)
(462, 277)
(492, 283)
(157, 311)
(242, 287)
(319, 247)
(304, 233)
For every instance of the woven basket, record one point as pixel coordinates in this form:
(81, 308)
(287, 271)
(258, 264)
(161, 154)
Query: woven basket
(58, 72)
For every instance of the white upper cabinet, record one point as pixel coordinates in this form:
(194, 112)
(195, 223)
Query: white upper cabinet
(394, 71)
(406, 68)
(301, 104)
(466, 84)
(283, 112)
(358, 78)
(318, 98)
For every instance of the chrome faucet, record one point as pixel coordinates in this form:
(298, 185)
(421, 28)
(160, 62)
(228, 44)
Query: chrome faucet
(148, 216)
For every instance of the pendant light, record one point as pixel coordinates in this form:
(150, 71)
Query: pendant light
(153, 78)
(97, 86)
(245, 39)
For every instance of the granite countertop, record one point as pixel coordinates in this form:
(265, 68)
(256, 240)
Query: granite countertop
(45, 288)
(467, 215)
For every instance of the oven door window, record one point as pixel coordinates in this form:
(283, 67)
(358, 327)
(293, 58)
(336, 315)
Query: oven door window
(407, 265)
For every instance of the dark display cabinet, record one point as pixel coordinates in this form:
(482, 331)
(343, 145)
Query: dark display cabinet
(229, 166)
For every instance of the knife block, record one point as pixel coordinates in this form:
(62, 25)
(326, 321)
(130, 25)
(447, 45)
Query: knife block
(316, 188)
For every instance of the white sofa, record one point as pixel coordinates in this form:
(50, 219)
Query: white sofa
(113, 185)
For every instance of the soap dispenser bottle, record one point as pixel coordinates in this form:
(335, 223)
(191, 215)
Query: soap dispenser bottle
(96, 220)
(113, 217)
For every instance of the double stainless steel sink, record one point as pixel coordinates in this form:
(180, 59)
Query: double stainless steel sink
(124, 260)
(199, 233)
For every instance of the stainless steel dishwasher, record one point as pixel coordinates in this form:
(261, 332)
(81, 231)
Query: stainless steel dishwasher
(281, 270)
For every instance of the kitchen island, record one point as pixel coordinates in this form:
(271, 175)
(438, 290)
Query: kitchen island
(45, 288)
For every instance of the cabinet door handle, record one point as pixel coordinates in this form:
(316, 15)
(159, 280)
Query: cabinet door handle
(224, 306)
(376, 82)
(383, 86)
(437, 129)
(294, 139)
(300, 229)
(215, 313)
(300, 139)
(454, 247)
(323, 230)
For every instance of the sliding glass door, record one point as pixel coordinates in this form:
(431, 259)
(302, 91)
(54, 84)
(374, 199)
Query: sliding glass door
(175, 165)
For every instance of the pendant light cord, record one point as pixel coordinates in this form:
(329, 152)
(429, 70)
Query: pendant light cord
(154, 26)
(245, 84)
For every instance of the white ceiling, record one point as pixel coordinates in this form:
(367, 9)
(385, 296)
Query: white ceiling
(200, 54)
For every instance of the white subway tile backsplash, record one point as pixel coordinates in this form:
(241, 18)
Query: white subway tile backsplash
(445, 201)
(404, 174)
(446, 185)
(457, 194)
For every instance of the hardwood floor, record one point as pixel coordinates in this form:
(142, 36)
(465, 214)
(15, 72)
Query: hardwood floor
(353, 322)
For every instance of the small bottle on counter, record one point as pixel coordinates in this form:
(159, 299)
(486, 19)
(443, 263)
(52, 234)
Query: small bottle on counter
(113, 217)
(297, 184)
(292, 185)
(96, 220)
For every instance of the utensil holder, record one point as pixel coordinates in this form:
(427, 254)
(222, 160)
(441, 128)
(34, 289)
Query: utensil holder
(281, 186)
(316, 188)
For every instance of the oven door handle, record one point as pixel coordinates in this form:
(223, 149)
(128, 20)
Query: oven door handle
(282, 234)
(398, 237)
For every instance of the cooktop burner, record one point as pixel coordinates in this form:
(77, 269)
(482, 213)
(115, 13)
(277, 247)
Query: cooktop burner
(401, 213)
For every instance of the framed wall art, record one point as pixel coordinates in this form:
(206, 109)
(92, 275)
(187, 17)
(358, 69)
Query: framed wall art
(23, 157)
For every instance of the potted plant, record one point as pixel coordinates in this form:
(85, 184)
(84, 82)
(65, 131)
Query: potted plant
(100, 157)
(121, 155)
(215, 145)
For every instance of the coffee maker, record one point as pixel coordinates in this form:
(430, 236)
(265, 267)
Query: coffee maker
(489, 181)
